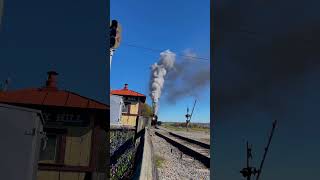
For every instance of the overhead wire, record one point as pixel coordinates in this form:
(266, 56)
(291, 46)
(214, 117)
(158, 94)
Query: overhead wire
(158, 50)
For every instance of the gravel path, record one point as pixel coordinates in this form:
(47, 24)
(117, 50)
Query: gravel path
(173, 167)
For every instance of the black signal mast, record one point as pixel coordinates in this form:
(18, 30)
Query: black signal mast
(188, 116)
(249, 171)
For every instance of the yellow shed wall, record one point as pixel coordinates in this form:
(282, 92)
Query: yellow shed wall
(128, 120)
(78, 150)
(48, 175)
(71, 176)
(134, 108)
(56, 175)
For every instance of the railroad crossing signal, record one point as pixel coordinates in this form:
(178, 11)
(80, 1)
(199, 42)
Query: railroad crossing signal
(249, 171)
(115, 34)
(188, 116)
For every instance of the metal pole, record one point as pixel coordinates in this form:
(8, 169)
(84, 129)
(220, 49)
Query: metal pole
(248, 166)
(193, 108)
(111, 54)
(247, 154)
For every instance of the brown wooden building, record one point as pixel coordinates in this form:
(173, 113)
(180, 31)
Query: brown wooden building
(75, 147)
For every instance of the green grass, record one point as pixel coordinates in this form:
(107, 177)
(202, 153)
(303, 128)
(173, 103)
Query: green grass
(171, 127)
(181, 127)
(159, 161)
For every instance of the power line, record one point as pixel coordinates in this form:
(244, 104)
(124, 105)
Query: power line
(158, 50)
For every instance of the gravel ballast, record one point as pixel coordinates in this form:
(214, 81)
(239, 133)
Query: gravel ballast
(172, 166)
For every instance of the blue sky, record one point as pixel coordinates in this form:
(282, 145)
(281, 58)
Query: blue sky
(173, 25)
(64, 36)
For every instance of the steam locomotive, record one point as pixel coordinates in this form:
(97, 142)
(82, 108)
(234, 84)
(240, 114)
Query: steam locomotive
(154, 120)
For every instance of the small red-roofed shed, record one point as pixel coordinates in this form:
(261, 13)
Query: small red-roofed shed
(75, 128)
(133, 105)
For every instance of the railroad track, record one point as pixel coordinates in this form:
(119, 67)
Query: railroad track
(191, 147)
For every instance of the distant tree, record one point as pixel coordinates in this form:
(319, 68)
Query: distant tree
(146, 110)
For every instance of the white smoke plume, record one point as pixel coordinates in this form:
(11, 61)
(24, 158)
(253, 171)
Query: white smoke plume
(158, 73)
(188, 78)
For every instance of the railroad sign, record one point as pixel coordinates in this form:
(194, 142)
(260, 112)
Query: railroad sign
(66, 118)
(130, 99)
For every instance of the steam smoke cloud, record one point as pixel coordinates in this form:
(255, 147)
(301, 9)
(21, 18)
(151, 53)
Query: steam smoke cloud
(158, 73)
(177, 79)
(188, 78)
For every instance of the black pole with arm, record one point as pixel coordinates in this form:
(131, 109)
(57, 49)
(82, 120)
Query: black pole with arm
(266, 149)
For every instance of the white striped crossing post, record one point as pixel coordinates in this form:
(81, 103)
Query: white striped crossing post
(111, 54)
